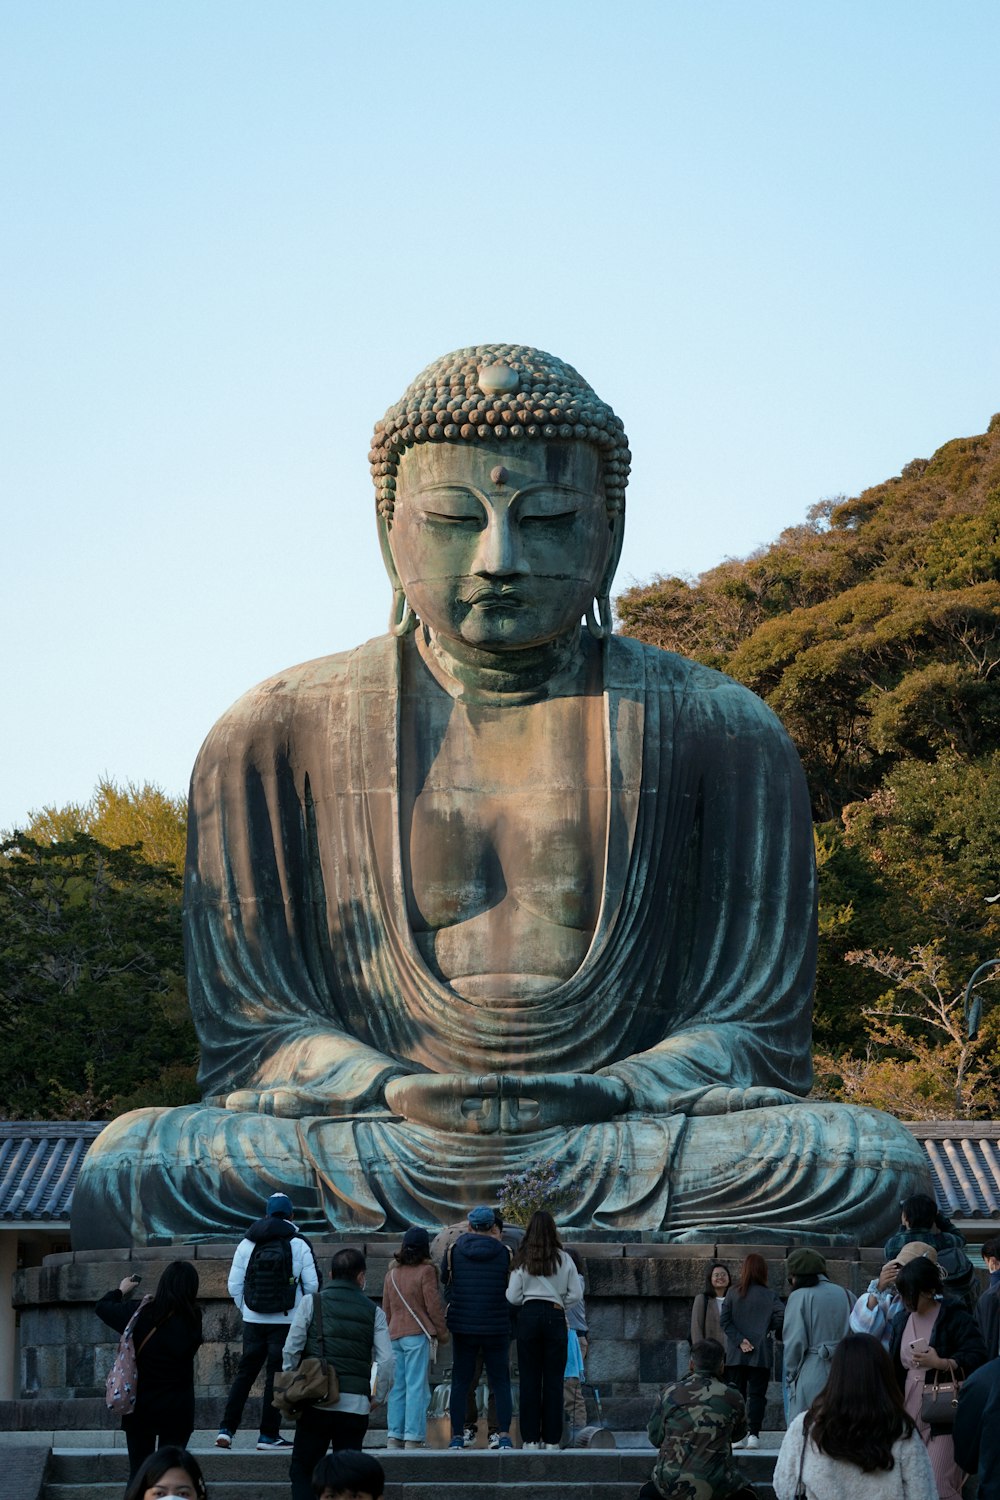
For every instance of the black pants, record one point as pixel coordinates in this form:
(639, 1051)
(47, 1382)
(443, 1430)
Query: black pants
(496, 1357)
(156, 1424)
(541, 1360)
(751, 1381)
(261, 1341)
(315, 1432)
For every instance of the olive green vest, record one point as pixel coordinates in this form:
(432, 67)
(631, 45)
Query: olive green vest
(348, 1334)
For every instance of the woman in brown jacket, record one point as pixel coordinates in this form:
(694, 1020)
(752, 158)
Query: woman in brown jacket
(411, 1301)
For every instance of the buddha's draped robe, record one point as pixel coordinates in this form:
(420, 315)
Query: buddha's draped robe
(304, 976)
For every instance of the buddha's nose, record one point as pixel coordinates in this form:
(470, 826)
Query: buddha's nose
(500, 553)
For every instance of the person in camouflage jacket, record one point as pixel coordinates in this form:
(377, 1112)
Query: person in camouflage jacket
(694, 1426)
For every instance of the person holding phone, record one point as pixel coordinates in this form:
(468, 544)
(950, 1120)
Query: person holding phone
(933, 1335)
(166, 1337)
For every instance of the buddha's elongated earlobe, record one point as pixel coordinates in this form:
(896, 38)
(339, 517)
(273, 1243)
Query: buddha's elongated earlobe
(402, 620)
(600, 623)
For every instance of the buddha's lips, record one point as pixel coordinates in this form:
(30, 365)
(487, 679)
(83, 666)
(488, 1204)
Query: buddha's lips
(494, 596)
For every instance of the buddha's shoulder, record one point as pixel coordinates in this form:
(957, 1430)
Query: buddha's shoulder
(632, 661)
(311, 686)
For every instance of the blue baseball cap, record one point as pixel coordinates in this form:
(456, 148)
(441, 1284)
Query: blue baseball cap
(482, 1217)
(279, 1205)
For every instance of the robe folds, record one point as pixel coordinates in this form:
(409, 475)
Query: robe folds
(309, 992)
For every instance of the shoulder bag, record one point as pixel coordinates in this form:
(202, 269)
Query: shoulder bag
(313, 1380)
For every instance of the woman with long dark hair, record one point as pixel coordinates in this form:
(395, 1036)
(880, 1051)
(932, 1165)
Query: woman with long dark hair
(166, 1337)
(707, 1308)
(856, 1441)
(749, 1316)
(933, 1336)
(543, 1283)
(170, 1472)
(411, 1301)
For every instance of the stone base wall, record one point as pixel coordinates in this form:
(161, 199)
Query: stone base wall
(639, 1299)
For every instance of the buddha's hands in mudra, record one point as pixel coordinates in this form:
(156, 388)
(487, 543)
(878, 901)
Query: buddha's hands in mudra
(505, 1104)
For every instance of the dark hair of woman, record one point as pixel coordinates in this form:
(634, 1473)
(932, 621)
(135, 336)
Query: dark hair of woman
(539, 1251)
(177, 1292)
(753, 1272)
(708, 1289)
(921, 1212)
(859, 1413)
(920, 1275)
(410, 1255)
(160, 1463)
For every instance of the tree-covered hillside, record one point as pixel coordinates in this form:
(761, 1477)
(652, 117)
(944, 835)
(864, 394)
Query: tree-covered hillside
(94, 1017)
(872, 631)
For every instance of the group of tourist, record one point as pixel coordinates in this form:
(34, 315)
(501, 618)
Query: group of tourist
(866, 1413)
(863, 1411)
(377, 1352)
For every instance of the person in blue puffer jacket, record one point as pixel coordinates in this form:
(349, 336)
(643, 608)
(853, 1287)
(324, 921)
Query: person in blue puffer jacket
(474, 1273)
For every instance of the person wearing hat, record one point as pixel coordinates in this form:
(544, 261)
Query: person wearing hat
(875, 1309)
(414, 1311)
(272, 1268)
(817, 1315)
(475, 1271)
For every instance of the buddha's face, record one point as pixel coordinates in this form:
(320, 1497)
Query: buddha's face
(500, 545)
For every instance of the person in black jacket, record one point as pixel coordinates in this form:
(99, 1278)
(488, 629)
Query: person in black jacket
(166, 1338)
(977, 1429)
(474, 1273)
(988, 1306)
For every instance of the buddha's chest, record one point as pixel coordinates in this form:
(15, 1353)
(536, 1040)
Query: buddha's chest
(504, 815)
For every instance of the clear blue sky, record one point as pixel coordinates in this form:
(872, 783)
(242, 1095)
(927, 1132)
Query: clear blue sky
(232, 232)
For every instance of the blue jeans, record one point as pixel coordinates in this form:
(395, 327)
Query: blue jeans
(406, 1416)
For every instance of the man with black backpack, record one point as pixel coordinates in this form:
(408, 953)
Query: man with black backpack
(272, 1268)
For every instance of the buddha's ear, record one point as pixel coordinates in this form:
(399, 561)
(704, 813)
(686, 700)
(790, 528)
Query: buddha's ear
(617, 525)
(600, 622)
(402, 620)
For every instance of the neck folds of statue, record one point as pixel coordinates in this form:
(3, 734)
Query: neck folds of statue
(473, 675)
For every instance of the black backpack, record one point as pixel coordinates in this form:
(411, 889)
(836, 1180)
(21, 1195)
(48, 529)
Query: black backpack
(269, 1284)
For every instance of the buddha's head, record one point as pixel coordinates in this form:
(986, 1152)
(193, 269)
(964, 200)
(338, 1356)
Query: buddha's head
(500, 479)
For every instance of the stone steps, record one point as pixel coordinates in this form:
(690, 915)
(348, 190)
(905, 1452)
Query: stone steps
(80, 1473)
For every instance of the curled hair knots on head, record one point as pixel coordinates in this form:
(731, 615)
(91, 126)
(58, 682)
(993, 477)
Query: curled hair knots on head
(499, 391)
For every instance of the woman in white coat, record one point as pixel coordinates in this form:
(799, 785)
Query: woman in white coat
(856, 1441)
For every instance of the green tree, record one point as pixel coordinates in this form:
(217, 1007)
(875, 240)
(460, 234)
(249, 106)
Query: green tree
(93, 1008)
(116, 815)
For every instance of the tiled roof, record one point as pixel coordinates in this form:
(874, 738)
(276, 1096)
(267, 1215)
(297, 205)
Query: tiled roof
(40, 1161)
(965, 1160)
(39, 1165)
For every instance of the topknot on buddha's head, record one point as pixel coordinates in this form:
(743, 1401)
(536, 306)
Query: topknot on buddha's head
(498, 391)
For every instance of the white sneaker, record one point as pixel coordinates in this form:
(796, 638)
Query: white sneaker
(740, 1443)
(531, 1447)
(753, 1441)
(552, 1447)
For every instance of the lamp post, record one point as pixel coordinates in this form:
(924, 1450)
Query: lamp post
(974, 1007)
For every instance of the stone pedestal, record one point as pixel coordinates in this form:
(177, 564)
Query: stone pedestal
(639, 1299)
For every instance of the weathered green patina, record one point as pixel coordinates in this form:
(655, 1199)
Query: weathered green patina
(500, 886)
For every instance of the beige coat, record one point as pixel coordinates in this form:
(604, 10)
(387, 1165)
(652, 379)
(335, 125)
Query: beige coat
(419, 1286)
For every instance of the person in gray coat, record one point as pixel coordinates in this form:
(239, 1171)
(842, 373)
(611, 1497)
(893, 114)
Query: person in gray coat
(817, 1315)
(750, 1314)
